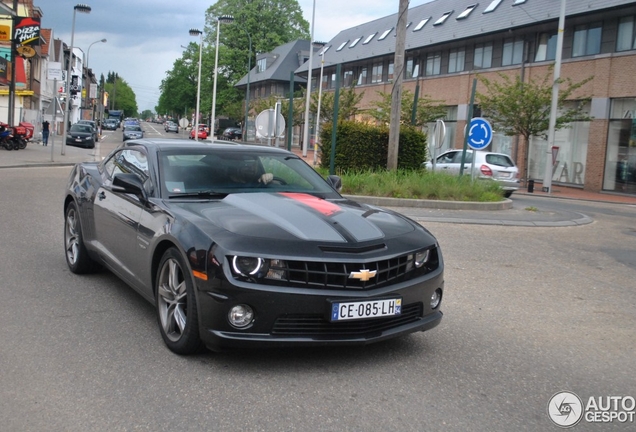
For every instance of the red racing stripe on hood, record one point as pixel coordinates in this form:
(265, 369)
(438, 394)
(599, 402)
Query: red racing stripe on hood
(320, 205)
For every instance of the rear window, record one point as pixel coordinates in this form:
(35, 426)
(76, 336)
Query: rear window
(499, 160)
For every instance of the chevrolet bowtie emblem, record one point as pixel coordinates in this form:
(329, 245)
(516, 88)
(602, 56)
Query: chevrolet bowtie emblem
(363, 275)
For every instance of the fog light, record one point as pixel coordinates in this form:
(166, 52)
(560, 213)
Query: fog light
(240, 316)
(436, 298)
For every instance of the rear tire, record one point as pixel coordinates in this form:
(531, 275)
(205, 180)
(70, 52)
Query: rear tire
(176, 305)
(508, 194)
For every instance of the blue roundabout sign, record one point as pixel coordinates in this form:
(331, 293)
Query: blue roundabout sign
(479, 133)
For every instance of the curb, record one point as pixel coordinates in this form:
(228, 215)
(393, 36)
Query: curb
(432, 204)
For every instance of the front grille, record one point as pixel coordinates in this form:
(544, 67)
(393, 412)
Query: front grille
(337, 275)
(317, 325)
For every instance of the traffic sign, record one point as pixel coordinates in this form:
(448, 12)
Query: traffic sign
(479, 133)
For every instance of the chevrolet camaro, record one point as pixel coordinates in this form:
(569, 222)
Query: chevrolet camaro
(243, 246)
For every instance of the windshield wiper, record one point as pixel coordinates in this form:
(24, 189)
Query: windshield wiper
(199, 194)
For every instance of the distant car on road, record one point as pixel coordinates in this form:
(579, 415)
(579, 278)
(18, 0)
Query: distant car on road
(133, 131)
(81, 135)
(171, 127)
(233, 133)
(203, 133)
(92, 124)
(488, 165)
(110, 124)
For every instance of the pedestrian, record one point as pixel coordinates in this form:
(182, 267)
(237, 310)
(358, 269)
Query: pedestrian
(45, 132)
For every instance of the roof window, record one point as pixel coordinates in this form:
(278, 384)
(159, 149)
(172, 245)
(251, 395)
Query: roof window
(467, 11)
(443, 18)
(421, 24)
(342, 45)
(518, 2)
(368, 39)
(355, 42)
(492, 6)
(385, 34)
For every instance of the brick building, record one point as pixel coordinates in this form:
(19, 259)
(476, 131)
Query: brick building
(450, 42)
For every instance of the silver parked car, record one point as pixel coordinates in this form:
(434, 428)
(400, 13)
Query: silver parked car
(488, 165)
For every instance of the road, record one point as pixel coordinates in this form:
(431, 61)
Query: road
(528, 312)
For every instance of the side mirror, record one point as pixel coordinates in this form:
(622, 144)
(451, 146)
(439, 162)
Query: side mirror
(129, 183)
(335, 182)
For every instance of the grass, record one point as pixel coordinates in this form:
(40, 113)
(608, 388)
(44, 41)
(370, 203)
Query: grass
(419, 184)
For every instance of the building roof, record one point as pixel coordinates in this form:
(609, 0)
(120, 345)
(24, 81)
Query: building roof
(45, 34)
(280, 62)
(444, 21)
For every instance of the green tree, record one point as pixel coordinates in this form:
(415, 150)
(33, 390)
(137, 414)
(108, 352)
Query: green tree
(428, 110)
(121, 95)
(146, 114)
(179, 88)
(348, 101)
(522, 108)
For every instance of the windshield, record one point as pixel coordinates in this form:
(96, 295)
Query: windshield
(133, 128)
(214, 172)
(81, 128)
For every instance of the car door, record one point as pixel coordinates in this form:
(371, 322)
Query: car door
(117, 216)
(444, 161)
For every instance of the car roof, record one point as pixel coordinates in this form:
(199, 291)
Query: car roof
(167, 144)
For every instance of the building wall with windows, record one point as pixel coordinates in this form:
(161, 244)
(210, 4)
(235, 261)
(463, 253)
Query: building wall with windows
(450, 42)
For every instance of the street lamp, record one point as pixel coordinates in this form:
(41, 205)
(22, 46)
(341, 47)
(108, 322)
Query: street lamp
(88, 52)
(322, 64)
(249, 70)
(77, 8)
(224, 19)
(309, 65)
(197, 32)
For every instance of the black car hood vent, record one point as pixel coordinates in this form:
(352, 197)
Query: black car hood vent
(353, 250)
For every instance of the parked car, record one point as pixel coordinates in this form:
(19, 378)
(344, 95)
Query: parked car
(92, 124)
(232, 255)
(132, 131)
(81, 135)
(233, 133)
(203, 134)
(171, 127)
(488, 165)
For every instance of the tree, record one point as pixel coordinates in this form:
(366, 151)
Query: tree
(146, 114)
(428, 110)
(522, 108)
(179, 88)
(347, 104)
(121, 96)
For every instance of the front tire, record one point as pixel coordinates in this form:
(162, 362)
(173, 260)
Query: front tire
(77, 257)
(176, 305)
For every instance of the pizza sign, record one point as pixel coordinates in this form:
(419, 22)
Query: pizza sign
(27, 31)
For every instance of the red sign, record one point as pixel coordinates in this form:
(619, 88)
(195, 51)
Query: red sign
(27, 31)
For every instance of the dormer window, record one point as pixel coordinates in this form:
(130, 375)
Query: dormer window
(466, 12)
(261, 65)
(355, 42)
(368, 39)
(443, 18)
(385, 34)
(421, 24)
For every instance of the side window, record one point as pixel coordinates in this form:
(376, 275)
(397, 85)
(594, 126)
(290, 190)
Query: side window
(130, 161)
(447, 157)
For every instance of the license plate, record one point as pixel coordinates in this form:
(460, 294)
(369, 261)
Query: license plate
(78, 140)
(365, 309)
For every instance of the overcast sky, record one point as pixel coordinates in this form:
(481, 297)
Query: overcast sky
(144, 37)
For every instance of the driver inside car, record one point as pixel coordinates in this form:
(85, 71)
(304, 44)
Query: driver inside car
(248, 173)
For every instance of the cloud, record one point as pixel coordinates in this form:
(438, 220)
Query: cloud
(144, 37)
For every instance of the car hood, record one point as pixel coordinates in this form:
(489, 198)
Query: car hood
(296, 216)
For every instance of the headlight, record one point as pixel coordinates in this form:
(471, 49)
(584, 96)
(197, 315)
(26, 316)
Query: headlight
(247, 266)
(421, 258)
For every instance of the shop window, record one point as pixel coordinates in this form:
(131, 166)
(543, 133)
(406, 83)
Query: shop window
(626, 36)
(620, 157)
(587, 40)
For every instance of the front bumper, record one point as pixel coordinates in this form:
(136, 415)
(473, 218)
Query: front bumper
(287, 316)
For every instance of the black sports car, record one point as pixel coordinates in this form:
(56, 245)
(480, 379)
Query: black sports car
(247, 246)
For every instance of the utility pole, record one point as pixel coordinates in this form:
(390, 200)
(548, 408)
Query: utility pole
(396, 92)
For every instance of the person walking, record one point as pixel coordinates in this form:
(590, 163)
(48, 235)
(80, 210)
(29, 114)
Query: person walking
(45, 132)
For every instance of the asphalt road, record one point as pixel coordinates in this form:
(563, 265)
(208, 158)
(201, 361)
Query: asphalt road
(528, 312)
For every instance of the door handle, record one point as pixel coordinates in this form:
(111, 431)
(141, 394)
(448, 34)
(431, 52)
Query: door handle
(101, 195)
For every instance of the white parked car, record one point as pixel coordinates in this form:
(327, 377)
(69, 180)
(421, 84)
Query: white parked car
(488, 165)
